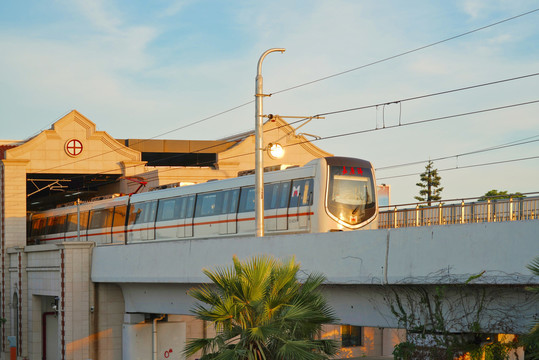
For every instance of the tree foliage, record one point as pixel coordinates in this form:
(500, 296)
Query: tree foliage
(496, 195)
(451, 320)
(531, 340)
(429, 185)
(261, 311)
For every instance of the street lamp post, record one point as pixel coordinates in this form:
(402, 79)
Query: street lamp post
(259, 147)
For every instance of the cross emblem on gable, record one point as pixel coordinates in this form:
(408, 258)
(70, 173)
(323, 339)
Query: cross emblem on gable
(73, 147)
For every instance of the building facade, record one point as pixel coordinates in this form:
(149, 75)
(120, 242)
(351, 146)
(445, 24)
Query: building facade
(51, 307)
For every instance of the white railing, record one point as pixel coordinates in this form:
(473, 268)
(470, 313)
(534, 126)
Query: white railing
(461, 212)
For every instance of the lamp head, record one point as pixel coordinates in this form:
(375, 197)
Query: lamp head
(275, 150)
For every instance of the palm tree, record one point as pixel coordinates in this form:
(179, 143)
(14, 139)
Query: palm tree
(262, 312)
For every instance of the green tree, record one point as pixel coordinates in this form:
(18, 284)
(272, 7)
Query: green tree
(495, 194)
(261, 311)
(429, 185)
(531, 340)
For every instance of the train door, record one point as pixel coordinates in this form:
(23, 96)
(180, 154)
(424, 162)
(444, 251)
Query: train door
(189, 203)
(174, 219)
(282, 205)
(271, 193)
(299, 209)
(118, 224)
(168, 219)
(100, 225)
(246, 211)
(228, 221)
(75, 232)
(141, 221)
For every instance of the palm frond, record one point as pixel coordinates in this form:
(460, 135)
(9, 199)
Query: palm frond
(261, 311)
(534, 266)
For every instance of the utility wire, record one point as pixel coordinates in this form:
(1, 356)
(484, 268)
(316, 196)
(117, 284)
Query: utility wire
(428, 95)
(406, 52)
(511, 144)
(357, 132)
(425, 121)
(352, 133)
(393, 126)
(465, 167)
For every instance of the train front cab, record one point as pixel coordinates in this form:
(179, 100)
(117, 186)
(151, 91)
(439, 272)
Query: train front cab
(350, 194)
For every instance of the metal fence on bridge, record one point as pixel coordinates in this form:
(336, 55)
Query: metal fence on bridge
(492, 210)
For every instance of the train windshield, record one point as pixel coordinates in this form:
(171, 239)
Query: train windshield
(351, 196)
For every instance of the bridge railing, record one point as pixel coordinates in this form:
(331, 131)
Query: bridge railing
(459, 212)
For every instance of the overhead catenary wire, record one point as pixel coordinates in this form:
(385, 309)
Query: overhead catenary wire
(497, 147)
(390, 127)
(366, 130)
(407, 52)
(353, 133)
(426, 120)
(465, 167)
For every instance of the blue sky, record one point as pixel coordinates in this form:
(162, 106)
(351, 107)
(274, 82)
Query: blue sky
(139, 69)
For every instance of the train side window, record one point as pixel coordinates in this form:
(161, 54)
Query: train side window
(49, 228)
(181, 204)
(301, 193)
(58, 224)
(84, 217)
(101, 218)
(234, 196)
(141, 213)
(168, 209)
(223, 209)
(34, 230)
(39, 226)
(268, 195)
(190, 206)
(209, 204)
(307, 198)
(119, 215)
(247, 199)
(72, 221)
(296, 193)
(135, 213)
(284, 194)
(152, 211)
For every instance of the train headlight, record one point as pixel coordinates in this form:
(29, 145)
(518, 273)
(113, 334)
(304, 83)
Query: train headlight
(275, 150)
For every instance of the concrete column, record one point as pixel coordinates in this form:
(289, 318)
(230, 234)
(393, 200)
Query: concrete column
(12, 229)
(108, 319)
(76, 301)
(19, 289)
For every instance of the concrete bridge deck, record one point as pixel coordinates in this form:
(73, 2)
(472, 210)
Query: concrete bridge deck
(359, 265)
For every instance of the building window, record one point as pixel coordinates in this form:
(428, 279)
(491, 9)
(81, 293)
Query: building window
(351, 336)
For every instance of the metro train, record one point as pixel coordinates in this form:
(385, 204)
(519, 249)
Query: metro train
(326, 194)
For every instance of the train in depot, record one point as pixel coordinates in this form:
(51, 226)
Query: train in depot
(326, 194)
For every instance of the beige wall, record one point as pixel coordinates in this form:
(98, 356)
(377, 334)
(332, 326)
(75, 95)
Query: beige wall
(90, 318)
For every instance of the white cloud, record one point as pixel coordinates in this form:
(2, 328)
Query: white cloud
(473, 7)
(99, 15)
(175, 7)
